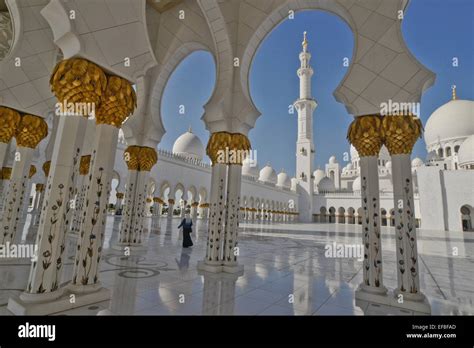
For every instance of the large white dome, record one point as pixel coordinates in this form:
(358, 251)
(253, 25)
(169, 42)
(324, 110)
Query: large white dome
(318, 175)
(283, 180)
(268, 175)
(466, 152)
(452, 120)
(326, 184)
(189, 145)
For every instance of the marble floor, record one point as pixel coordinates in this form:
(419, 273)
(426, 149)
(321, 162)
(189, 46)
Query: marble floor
(286, 272)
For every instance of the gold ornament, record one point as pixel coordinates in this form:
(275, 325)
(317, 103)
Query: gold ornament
(32, 171)
(217, 143)
(131, 157)
(39, 187)
(46, 167)
(194, 204)
(149, 200)
(171, 201)
(204, 205)
(240, 145)
(6, 173)
(119, 195)
(365, 134)
(31, 130)
(158, 200)
(84, 165)
(9, 121)
(401, 133)
(147, 158)
(118, 102)
(77, 80)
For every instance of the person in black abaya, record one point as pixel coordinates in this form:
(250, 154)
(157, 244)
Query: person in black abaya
(187, 224)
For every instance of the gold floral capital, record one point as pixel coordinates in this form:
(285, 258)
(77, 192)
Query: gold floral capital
(401, 133)
(119, 195)
(77, 80)
(118, 102)
(9, 121)
(46, 167)
(365, 133)
(31, 130)
(32, 171)
(6, 173)
(170, 201)
(148, 158)
(39, 187)
(228, 148)
(149, 200)
(131, 157)
(158, 200)
(84, 165)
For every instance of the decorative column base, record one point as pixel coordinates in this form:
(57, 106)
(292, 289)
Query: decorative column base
(391, 298)
(42, 304)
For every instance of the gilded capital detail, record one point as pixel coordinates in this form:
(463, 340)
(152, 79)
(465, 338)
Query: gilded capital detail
(9, 121)
(130, 157)
(228, 148)
(39, 187)
(118, 102)
(77, 80)
(6, 173)
(46, 167)
(32, 171)
(31, 130)
(119, 195)
(365, 134)
(147, 158)
(401, 133)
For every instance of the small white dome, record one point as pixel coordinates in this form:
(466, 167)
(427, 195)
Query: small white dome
(388, 164)
(326, 184)
(356, 184)
(189, 145)
(417, 162)
(332, 160)
(455, 119)
(268, 175)
(318, 175)
(283, 180)
(466, 152)
(250, 168)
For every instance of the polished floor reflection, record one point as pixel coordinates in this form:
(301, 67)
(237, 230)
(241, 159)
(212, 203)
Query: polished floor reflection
(286, 273)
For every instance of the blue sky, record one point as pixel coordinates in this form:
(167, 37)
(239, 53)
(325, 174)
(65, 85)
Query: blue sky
(434, 30)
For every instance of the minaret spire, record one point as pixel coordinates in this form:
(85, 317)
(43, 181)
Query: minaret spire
(453, 87)
(305, 42)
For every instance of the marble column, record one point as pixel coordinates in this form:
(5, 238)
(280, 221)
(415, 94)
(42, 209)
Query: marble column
(194, 211)
(83, 182)
(31, 130)
(401, 134)
(170, 208)
(234, 184)
(365, 134)
(6, 173)
(117, 104)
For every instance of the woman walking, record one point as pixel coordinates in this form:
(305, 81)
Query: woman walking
(186, 224)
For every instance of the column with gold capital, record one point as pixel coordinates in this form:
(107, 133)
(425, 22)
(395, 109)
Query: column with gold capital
(365, 133)
(130, 157)
(239, 150)
(400, 134)
(78, 85)
(9, 121)
(217, 145)
(31, 130)
(117, 103)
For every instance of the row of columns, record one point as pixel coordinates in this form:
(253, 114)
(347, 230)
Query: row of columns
(254, 214)
(399, 133)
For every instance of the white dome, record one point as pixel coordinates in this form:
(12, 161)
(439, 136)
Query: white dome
(383, 154)
(417, 162)
(326, 184)
(267, 174)
(466, 152)
(388, 164)
(332, 160)
(250, 168)
(189, 145)
(356, 184)
(454, 119)
(318, 175)
(283, 180)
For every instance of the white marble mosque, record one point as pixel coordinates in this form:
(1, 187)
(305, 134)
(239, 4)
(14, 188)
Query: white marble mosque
(100, 200)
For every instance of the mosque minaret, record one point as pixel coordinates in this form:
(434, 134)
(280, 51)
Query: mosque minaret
(305, 105)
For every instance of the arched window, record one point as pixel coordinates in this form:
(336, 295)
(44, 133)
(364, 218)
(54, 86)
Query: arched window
(440, 153)
(456, 149)
(448, 151)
